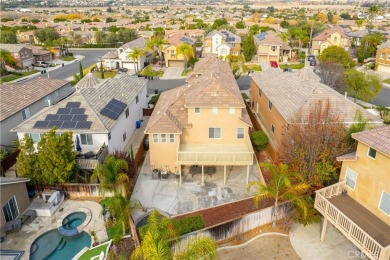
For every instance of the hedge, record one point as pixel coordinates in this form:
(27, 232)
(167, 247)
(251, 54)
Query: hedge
(260, 140)
(189, 224)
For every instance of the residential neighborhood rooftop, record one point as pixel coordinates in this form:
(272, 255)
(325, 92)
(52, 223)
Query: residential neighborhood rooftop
(378, 138)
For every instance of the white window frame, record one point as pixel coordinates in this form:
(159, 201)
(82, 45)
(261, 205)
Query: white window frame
(259, 92)
(213, 136)
(86, 141)
(380, 202)
(214, 110)
(346, 176)
(239, 134)
(232, 110)
(368, 153)
(163, 138)
(270, 105)
(155, 138)
(17, 208)
(388, 56)
(197, 110)
(136, 99)
(56, 93)
(127, 112)
(382, 57)
(37, 135)
(124, 136)
(26, 113)
(48, 100)
(171, 138)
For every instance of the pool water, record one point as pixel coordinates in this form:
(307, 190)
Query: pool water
(143, 221)
(52, 245)
(73, 220)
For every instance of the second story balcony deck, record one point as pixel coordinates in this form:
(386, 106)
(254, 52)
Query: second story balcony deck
(89, 160)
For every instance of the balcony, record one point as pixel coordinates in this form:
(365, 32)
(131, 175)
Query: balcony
(90, 160)
(369, 233)
(215, 154)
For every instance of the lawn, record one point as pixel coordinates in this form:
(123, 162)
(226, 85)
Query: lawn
(94, 252)
(254, 67)
(295, 66)
(114, 230)
(387, 81)
(184, 73)
(68, 58)
(12, 77)
(107, 74)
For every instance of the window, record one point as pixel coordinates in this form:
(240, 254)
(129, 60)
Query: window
(136, 99)
(163, 138)
(109, 136)
(172, 51)
(232, 110)
(214, 133)
(172, 138)
(214, 110)
(124, 136)
(216, 41)
(259, 92)
(197, 110)
(384, 203)
(11, 210)
(240, 133)
(350, 178)
(382, 56)
(388, 56)
(334, 39)
(273, 48)
(56, 93)
(172, 56)
(127, 112)
(269, 105)
(318, 42)
(25, 113)
(223, 51)
(233, 44)
(86, 139)
(371, 153)
(36, 137)
(155, 138)
(48, 100)
(273, 128)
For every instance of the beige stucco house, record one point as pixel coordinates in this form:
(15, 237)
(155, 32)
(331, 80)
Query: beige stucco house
(270, 47)
(332, 36)
(171, 59)
(202, 123)
(359, 204)
(222, 43)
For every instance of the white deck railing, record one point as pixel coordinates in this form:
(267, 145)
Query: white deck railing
(90, 164)
(368, 245)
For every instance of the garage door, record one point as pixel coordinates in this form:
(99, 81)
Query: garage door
(273, 58)
(176, 63)
(384, 68)
(263, 58)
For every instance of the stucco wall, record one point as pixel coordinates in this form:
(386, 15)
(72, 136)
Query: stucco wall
(163, 156)
(20, 192)
(373, 176)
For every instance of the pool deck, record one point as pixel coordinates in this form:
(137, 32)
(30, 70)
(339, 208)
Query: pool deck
(21, 240)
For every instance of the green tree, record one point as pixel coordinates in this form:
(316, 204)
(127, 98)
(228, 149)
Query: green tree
(330, 17)
(110, 20)
(110, 175)
(359, 23)
(237, 64)
(363, 86)
(127, 35)
(101, 70)
(337, 54)
(160, 234)
(56, 157)
(357, 127)
(81, 72)
(218, 23)
(159, 31)
(46, 34)
(248, 47)
(187, 51)
(284, 185)
(100, 37)
(240, 25)
(6, 58)
(8, 37)
(254, 29)
(135, 55)
(346, 16)
(284, 24)
(27, 163)
(156, 42)
(369, 44)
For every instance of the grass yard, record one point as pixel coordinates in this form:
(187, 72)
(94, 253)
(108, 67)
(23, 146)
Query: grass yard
(87, 70)
(107, 74)
(114, 231)
(253, 67)
(387, 81)
(68, 58)
(295, 66)
(94, 252)
(12, 77)
(184, 73)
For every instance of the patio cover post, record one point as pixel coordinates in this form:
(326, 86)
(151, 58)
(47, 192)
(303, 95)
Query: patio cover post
(180, 174)
(224, 175)
(202, 175)
(247, 174)
(323, 231)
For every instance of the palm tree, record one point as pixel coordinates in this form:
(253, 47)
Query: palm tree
(280, 188)
(157, 42)
(6, 58)
(110, 175)
(160, 234)
(136, 54)
(187, 51)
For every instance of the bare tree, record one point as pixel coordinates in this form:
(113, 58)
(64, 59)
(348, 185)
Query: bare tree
(332, 74)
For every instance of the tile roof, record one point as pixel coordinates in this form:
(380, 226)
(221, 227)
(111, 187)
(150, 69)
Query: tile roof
(89, 81)
(384, 45)
(176, 40)
(225, 34)
(270, 38)
(378, 138)
(110, 55)
(17, 96)
(347, 157)
(139, 43)
(291, 92)
(212, 85)
(323, 36)
(12, 47)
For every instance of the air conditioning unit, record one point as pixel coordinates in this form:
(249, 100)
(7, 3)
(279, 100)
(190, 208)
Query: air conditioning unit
(164, 175)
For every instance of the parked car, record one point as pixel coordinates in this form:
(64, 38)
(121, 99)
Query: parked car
(274, 64)
(287, 70)
(40, 64)
(311, 57)
(313, 63)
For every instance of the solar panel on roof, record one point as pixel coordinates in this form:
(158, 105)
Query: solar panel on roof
(83, 125)
(56, 123)
(73, 104)
(69, 124)
(52, 117)
(79, 118)
(113, 109)
(77, 111)
(64, 111)
(65, 117)
(41, 124)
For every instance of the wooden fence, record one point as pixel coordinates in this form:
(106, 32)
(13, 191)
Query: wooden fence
(8, 161)
(147, 111)
(73, 189)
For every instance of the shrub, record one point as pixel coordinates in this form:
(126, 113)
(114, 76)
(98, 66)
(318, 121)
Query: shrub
(154, 99)
(189, 224)
(244, 96)
(260, 140)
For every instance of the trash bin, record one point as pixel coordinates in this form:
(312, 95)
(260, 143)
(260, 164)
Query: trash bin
(156, 91)
(155, 174)
(138, 124)
(63, 64)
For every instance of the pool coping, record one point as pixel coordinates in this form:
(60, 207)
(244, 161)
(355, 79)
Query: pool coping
(81, 227)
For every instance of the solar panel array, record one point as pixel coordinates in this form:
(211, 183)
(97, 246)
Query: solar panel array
(186, 40)
(261, 36)
(113, 109)
(231, 39)
(69, 117)
(225, 33)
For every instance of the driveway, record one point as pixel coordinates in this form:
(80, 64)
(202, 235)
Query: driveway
(306, 242)
(173, 73)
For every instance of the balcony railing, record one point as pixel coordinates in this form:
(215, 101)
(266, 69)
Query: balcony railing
(92, 163)
(368, 245)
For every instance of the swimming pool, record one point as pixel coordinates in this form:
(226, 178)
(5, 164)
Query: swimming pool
(53, 245)
(73, 220)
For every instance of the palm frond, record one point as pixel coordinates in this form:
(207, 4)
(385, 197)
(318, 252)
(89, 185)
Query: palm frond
(200, 247)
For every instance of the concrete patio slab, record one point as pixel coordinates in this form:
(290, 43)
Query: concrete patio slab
(306, 242)
(173, 73)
